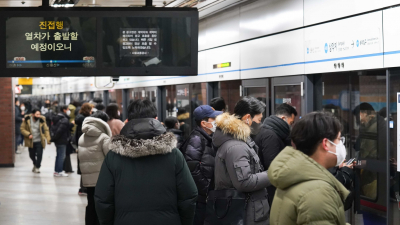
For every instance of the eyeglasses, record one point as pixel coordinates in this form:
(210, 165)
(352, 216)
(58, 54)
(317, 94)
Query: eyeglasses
(343, 139)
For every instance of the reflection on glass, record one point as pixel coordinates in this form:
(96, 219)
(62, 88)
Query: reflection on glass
(171, 100)
(259, 93)
(115, 97)
(289, 94)
(149, 93)
(359, 102)
(394, 145)
(184, 109)
(230, 92)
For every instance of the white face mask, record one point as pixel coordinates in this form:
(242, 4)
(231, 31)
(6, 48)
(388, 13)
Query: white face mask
(68, 113)
(340, 152)
(22, 107)
(214, 128)
(119, 113)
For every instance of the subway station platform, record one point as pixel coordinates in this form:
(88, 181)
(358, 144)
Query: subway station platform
(40, 199)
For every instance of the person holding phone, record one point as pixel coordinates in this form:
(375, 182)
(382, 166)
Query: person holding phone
(344, 174)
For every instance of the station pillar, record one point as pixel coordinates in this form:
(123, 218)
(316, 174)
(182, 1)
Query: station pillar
(7, 122)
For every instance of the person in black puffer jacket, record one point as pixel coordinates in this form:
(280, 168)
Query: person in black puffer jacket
(61, 131)
(172, 125)
(144, 178)
(200, 156)
(273, 137)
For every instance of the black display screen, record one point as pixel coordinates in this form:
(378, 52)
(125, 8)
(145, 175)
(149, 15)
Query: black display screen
(51, 42)
(99, 41)
(147, 42)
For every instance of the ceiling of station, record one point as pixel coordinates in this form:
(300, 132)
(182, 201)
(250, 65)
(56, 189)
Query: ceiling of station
(205, 7)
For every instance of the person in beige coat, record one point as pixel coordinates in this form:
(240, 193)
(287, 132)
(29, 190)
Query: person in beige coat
(93, 146)
(36, 135)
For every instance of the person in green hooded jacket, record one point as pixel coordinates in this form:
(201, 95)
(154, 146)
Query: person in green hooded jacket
(307, 193)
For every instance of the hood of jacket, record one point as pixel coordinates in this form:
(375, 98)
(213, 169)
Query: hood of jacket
(175, 131)
(230, 127)
(59, 117)
(278, 125)
(95, 127)
(292, 167)
(183, 116)
(28, 118)
(143, 137)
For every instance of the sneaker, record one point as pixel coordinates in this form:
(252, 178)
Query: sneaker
(82, 193)
(37, 170)
(62, 174)
(34, 169)
(18, 152)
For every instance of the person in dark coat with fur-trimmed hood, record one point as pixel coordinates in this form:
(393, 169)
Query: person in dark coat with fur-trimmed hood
(144, 178)
(237, 165)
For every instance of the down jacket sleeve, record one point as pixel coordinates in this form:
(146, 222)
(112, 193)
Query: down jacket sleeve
(186, 190)
(238, 166)
(193, 154)
(25, 129)
(104, 194)
(106, 144)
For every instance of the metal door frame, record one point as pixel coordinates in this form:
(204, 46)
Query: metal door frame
(258, 83)
(305, 82)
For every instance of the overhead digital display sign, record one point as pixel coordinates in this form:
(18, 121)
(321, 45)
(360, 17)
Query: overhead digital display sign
(60, 42)
(98, 41)
(147, 42)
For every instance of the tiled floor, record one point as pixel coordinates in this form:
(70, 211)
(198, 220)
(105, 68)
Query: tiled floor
(40, 199)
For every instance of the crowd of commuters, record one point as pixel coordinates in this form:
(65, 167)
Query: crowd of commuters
(232, 168)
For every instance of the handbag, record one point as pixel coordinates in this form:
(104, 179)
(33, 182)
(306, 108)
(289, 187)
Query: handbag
(226, 207)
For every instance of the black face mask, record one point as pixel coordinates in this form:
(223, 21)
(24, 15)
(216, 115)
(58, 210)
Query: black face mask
(47, 105)
(255, 128)
(37, 118)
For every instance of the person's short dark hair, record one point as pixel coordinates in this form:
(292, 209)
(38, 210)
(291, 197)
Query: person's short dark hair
(366, 108)
(101, 115)
(312, 128)
(34, 110)
(198, 122)
(363, 107)
(112, 111)
(141, 109)
(97, 100)
(100, 106)
(181, 111)
(16, 100)
(218, 104)
(285, 110)
(63, 107)
(248, 105)
(170, 122)
(55, 103)
(75, 103)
